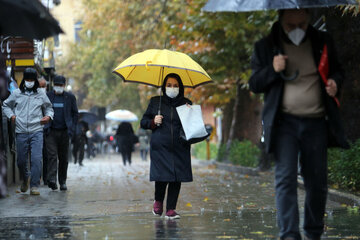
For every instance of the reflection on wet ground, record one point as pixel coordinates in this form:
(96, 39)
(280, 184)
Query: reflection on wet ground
(106, 200)
(206, 225)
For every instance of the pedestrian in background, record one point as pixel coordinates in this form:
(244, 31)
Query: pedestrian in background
(298, 114)
(79, 142)
(144, 141)
(170, 159)
(59, 131)
(125, 141)
(42, 88)
(30, 109)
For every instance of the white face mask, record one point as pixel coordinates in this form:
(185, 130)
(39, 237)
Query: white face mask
(58, 90)
(42, 90)
(296, 36)
(29, 84)
(172, 92)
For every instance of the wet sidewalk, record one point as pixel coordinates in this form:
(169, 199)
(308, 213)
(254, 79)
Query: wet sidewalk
(107, 200)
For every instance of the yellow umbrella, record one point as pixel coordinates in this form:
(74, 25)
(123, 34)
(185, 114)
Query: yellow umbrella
(151, 66)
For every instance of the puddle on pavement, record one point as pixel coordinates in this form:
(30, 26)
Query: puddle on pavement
(340, 224)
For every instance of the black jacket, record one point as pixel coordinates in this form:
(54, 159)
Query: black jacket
(71, 113)
(170, 157)
(125, 137)
(265, 80)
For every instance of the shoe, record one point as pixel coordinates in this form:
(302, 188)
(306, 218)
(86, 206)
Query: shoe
(25, 185)
(171, 214)
(34, 191)
(63, 187)
(52, 185)
(157, 208)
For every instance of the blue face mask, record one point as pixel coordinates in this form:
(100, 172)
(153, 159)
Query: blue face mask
(29, 84)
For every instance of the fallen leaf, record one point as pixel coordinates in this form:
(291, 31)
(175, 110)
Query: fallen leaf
(206, 199)
(257, 233)
(188, 205)
(227, 220)
(143, 191)
(246, 176)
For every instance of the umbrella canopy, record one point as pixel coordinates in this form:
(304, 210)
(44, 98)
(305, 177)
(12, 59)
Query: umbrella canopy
(258, 5)
(151, 66)
(27, 18)
(121, 116)
(87, 117)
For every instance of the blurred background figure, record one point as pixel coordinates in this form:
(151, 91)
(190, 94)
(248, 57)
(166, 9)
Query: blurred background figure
(43, 88)
(79, 142)
(125, 141)
(144, 141)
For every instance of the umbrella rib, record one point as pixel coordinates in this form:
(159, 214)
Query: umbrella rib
(131, 71)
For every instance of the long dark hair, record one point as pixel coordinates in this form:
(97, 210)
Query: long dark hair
(29, 72)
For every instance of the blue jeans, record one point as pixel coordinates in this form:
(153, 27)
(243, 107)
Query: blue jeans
(30, 144)
(307, 137)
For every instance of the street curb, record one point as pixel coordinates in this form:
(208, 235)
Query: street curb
(238, 169)
(333, 195)
(338, 196)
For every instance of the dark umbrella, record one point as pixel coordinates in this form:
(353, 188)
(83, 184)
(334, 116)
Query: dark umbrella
(27, 18)
(258, 5)
(87, 117)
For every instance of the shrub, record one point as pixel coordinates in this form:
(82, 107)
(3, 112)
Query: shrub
(199, 150)
(244, 153)
(344, 167)
(221, 153)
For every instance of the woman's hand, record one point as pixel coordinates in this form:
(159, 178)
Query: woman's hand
(158, 119)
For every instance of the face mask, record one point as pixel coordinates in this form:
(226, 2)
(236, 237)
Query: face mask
(43, 90)
(296, 36)
(172, 92)
(58, 90)
(29, 84)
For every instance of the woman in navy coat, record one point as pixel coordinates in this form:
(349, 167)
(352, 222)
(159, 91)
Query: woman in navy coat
(170, 157)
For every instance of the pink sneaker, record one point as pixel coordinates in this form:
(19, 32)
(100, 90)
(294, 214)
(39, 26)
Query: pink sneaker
(171, 214)
(157, 208)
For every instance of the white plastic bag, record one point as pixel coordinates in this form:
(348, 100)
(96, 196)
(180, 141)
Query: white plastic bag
(192, 121)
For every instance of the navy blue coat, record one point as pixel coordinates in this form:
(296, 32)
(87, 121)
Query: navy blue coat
(170, 157)
(265, 80)
(71, 113)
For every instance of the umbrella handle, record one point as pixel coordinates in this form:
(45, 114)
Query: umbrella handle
(290, 78)
(159, 113)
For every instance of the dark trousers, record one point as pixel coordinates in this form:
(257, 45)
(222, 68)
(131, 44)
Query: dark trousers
(172, 196)
(126, 156)
(79, 149)
(143, 154)
(57, 145)
(307, 138)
